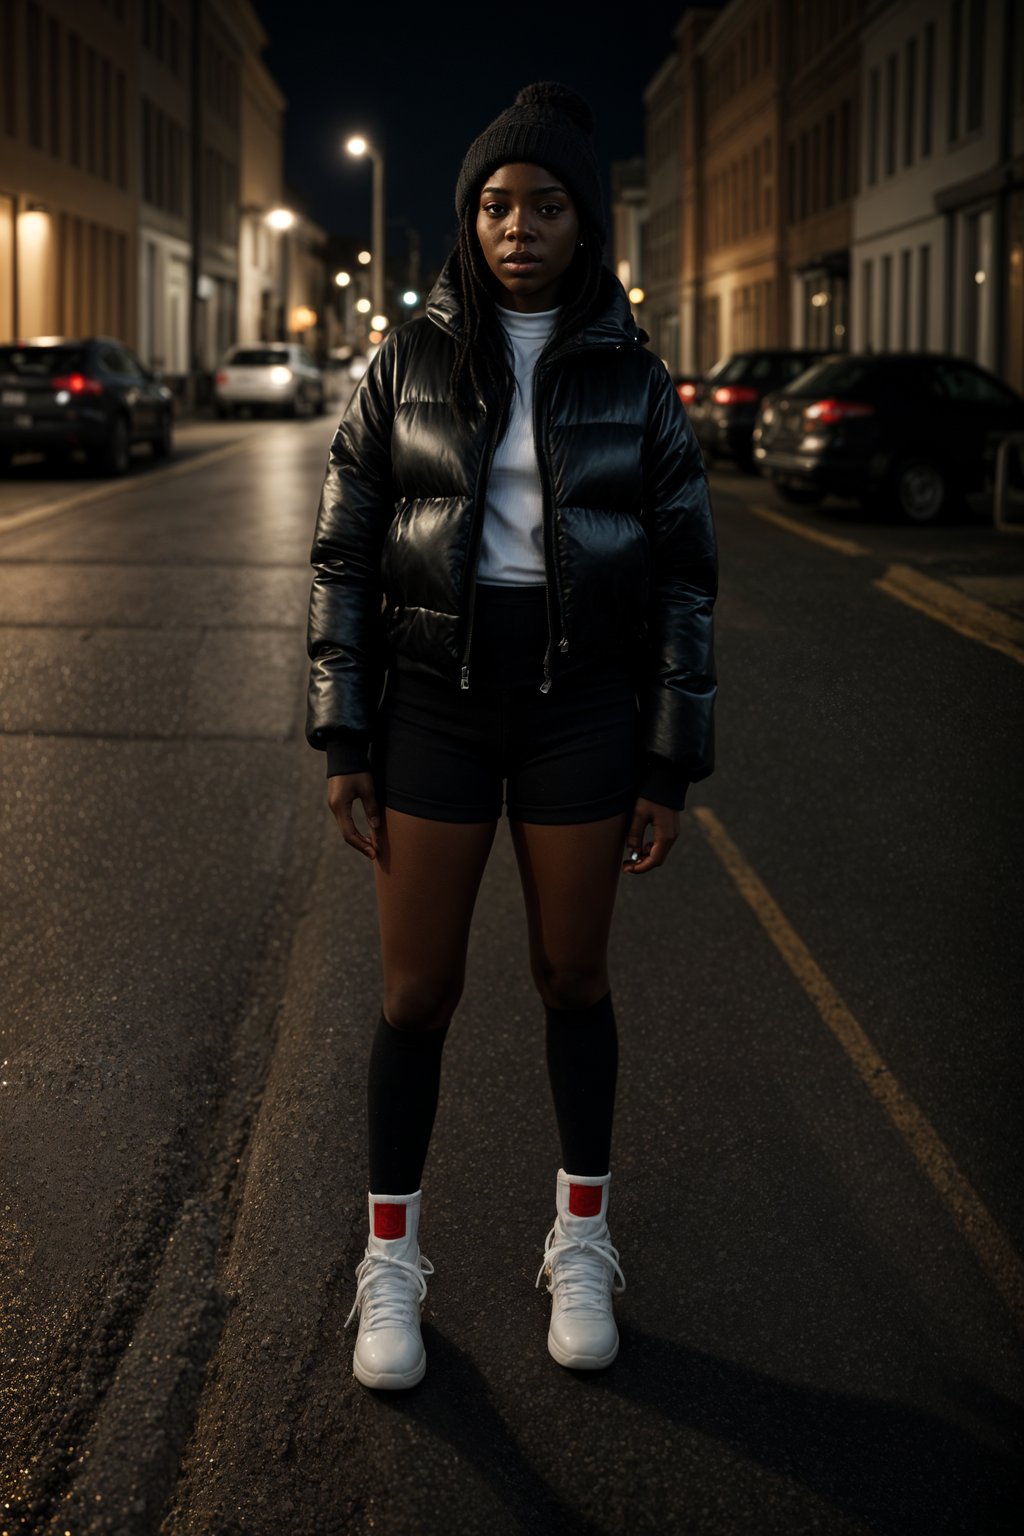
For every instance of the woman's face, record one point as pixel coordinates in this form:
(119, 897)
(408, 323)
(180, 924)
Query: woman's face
(528, 231)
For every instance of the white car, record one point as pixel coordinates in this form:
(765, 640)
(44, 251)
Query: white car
(277, 376)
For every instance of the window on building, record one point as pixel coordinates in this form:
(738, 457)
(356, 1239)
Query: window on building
(120, 130)
(90, 110)
(886, 336)
(909, 99)
(923, 277)
(10, 72)
(956, 30)
(34, 84)
(830, 159)
(891, 93)
(976, 64)
(867, 282)
(873, 83)
(147, 151)
(843, 152)
(74, 99)
(927, 89)
(56, 92)
(106, 110)
(804, 204)
(905, 297)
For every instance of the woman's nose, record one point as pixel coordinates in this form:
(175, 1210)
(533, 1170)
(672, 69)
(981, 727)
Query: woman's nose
(520, 225)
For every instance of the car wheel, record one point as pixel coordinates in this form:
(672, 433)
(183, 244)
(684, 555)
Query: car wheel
(114, 456)
(321, 404)
(164, 442)
(224, 411)
(919, 490)
(798, 495)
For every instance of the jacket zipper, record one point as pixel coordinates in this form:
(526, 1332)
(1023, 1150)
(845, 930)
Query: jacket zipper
(480, 492)
(556, 611)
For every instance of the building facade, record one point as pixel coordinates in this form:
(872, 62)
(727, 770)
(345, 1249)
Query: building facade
(140, 154)
(839, 173)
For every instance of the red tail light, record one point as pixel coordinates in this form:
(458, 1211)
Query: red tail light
(828, 412)
(77, 384)
(686, 392)
(735, 394)
(222, 377)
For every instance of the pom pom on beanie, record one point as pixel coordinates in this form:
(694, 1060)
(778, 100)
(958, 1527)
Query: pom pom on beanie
(549, 125)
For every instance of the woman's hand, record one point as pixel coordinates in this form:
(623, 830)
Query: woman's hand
(343, 790)
(665, 828)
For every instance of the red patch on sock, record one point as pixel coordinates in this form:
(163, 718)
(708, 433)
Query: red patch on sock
(585, 1199)
(388, 1220)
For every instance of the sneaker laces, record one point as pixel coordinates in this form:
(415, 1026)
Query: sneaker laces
(583, 1271)
(390, 1291)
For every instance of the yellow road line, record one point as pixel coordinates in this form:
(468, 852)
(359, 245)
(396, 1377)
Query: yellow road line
(967, 615)
(991, 1245)
(830, 540)
(116, 488)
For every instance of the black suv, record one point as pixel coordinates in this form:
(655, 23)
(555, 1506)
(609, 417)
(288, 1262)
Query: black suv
(914, 430)
(94, 394)
(724, 403)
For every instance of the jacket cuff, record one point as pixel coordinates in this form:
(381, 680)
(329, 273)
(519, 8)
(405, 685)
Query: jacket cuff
(348, 752)
(662, 782)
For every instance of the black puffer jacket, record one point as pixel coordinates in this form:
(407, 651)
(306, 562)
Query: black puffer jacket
(629, 538)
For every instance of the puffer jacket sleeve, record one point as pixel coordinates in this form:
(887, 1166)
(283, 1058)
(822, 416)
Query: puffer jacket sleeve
(677, 694)
(345, 637)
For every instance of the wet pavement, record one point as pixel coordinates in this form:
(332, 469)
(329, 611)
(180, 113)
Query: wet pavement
(821, 1332)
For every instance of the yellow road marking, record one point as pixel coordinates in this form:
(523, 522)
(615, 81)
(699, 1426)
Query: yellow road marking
(830, 540)
(991, 1245)
(967, 615)
(115, 488)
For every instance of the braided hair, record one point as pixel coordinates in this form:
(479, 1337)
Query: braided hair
(482, 364)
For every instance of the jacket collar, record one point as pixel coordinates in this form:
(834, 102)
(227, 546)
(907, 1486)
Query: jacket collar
(612, 324)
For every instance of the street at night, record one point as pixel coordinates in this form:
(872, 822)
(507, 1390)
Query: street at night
(817, 1199)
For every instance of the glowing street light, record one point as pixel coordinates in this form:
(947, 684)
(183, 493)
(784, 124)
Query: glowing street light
(280, 218)
(358, 146)
(410, 299)
(343, 279)
(364, 258)
(363, 306)
(636, 295)
(379, 322)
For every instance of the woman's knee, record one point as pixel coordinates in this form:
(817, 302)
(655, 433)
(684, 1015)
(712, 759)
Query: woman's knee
(570, 986)
(415, 1003)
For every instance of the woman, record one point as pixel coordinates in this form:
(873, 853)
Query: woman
(515, 531)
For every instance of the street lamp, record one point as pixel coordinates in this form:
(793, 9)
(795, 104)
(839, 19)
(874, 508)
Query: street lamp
(283, 219)
(343, 279)
(357, 145)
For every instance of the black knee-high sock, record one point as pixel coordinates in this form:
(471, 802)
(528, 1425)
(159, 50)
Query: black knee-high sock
(401, 1101)
(583, 1061)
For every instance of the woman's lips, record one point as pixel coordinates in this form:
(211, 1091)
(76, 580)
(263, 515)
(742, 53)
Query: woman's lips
(520, 262)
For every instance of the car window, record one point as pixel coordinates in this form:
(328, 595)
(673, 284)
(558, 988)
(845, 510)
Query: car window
(42, 362)
(113, 360)
(838, 374)
(959, 381)
(793, 367)
(734, 369)
(258, 357)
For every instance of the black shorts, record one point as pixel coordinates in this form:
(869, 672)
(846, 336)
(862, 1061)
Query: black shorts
(563, 757)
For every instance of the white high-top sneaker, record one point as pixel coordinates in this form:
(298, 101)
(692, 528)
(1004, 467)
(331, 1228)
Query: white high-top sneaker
(389, 1349)
(583, 1275)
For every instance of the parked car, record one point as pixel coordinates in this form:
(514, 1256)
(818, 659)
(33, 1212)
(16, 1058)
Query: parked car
(59, 397)
(917, 430)
(278, 377)
(725, 400)
(686, 386)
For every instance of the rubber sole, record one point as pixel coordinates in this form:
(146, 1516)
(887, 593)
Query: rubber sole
(390, 1381)
(579, 1362)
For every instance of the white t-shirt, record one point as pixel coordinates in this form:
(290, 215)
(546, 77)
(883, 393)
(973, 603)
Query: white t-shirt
(512, 544)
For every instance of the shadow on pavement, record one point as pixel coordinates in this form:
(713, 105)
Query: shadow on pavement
(896, 1469)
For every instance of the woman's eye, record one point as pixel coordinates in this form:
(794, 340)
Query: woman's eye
(494, 209)
(552, 208)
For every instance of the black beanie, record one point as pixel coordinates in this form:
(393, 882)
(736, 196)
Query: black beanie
(547, 125)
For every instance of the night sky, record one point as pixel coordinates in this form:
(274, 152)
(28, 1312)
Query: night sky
(426, 79)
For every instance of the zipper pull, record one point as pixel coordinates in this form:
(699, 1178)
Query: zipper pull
(563, 645)
(464, 684)
(545, 686)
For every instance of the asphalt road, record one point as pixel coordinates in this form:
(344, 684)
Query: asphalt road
(816, 1175)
